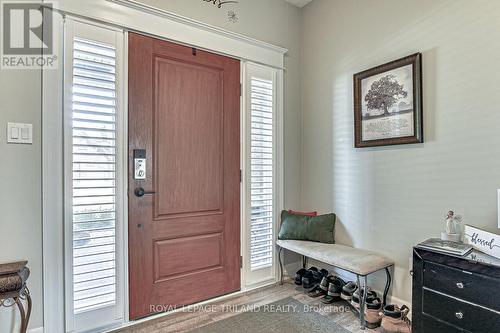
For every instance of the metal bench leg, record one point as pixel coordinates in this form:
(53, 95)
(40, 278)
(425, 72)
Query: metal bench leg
(281, 265)
(387, 284)
(304, 261)
(362, 306)
(362, 300)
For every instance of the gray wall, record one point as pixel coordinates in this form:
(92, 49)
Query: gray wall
(20, 180)
(273, 21)
(20, 185)
(390, 198)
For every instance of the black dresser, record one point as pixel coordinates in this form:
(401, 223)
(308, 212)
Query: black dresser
(455, 293)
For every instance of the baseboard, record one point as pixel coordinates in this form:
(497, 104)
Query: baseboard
(36, 330)
(259, 284)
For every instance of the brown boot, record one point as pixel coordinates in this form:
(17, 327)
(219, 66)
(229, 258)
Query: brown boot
(373, 313)
(395, 320)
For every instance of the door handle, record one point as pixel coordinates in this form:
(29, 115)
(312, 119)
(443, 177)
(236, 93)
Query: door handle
(140, 192)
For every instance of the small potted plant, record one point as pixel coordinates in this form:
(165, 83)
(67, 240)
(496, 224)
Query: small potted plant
(452, 227)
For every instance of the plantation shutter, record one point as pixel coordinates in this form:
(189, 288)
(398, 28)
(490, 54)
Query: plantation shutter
(261, 170)
(261, 206)
(94, 179)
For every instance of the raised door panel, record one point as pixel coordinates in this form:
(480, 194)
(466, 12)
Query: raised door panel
(187, 255)
(189, 140)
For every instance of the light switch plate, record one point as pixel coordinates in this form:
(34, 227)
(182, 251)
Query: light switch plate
(19, 133)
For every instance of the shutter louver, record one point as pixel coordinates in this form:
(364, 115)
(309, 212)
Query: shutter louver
(261, 170)
(94, 175)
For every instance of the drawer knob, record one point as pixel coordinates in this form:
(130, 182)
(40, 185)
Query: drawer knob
(460, 285)
(459, 315)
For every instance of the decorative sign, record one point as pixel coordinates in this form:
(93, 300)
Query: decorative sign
(483, 241)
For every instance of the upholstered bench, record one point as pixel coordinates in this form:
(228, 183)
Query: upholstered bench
(357, 261)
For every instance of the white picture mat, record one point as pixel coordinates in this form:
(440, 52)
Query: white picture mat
(396, 124)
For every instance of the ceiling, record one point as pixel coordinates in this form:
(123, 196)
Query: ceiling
(298, 3)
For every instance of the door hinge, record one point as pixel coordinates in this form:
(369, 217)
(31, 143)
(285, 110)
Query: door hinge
(241, 178)
(241, 261)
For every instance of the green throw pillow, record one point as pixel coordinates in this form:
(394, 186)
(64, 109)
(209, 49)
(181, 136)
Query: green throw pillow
(321, 228)
(293, 226)
(309, 228)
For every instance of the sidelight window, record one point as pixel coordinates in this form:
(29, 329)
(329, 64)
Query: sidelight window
(94, 177)
(93, 222)
(261, 170)
(261, 173)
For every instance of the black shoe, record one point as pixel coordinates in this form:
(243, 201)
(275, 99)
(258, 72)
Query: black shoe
(316, 292)
(334, 291)
(311, 278)
(348, 290)
(356, 297)
(325, 282)
(321, 288)
(374, 303)
(298, 276)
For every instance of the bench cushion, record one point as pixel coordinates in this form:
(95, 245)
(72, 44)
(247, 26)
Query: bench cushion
(361, 262)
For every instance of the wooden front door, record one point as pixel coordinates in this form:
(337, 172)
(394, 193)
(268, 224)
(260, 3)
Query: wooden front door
(184, 237)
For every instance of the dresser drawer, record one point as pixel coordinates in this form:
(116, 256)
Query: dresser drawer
(460, 314)
(472, 287)
(432, 325)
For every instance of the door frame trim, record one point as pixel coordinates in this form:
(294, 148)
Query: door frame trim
(145, 19)
(73, 27)
(53, 181)
(238, 46)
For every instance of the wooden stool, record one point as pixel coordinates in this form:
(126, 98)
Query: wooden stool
(13, 289)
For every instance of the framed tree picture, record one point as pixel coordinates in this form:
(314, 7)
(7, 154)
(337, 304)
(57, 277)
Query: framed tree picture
(388, 104)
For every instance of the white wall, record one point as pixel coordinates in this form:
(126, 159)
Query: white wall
(274, 21)
(390, 198)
